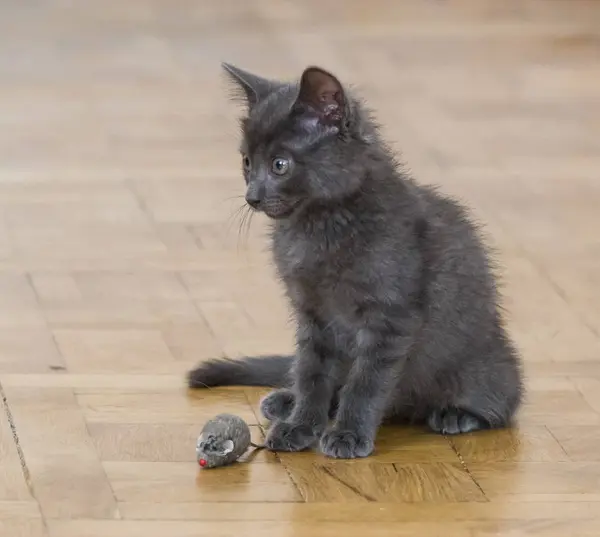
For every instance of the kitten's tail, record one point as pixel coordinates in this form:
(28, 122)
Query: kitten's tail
(251, 371)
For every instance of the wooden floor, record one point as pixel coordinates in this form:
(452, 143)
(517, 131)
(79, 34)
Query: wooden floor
(121, 264)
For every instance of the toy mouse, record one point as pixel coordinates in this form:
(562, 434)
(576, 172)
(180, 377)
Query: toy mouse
(223, 440)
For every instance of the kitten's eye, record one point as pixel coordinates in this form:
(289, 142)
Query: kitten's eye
(280, 166)
(246, 162)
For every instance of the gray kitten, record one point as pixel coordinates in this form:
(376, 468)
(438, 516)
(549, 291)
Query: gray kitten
(390, 284)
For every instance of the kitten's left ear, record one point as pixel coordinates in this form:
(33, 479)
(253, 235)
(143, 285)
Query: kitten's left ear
(254, 88)
(324, 95)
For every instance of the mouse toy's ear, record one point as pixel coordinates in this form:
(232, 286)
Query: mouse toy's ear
(252, 88)
(322, 94)
(227, 447)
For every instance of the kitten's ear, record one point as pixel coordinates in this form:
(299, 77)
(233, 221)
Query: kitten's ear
(324, 95)
(253, 87)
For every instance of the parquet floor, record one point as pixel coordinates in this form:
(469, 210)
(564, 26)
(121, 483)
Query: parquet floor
(121, 264)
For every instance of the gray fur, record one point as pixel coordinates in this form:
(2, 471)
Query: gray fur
(392, 288)
(252, 371)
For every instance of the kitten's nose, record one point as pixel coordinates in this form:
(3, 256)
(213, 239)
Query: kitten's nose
(254, 194)
(253, 200)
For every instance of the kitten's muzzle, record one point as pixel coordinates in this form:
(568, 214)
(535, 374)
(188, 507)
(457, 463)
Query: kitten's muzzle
(276, 209)
(254, 195)
(253, 202)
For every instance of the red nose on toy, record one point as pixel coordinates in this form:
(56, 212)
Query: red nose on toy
(202, 463)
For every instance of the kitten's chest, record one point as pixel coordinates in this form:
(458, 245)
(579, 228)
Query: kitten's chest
(318, 284)
(306, 262)
(319, 275)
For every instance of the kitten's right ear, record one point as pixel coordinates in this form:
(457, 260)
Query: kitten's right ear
(323, 94)
(253, 87)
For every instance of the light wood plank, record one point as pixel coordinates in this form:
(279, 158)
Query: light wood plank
(66, 473)
(185, 482)
(383, 482)
(13, 484)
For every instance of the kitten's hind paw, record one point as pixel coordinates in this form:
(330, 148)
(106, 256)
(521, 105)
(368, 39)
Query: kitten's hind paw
(284, 436)
(346, 444)
(454, 421)
(278, 405)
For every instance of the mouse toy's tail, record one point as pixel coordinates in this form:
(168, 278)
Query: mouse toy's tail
(251, 371)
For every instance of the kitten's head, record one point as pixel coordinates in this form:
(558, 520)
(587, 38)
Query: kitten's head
(301, 142)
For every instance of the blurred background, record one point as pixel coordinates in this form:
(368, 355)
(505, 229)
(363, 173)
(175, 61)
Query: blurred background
(119, 143)
(123, 260)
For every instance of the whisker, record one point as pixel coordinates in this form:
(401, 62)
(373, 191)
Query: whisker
(228, 198)
(242, 216)
(243, 219)
(252, 213)
(236, 213)
(234, 216)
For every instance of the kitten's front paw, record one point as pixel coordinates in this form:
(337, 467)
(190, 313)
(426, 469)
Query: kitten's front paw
(278, 405)
(285, 436)
(346, 444)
